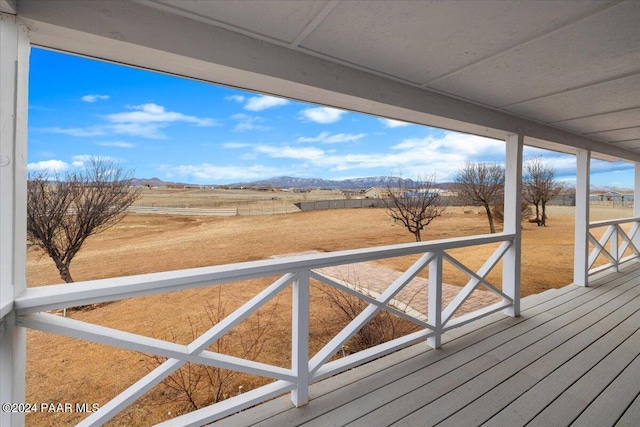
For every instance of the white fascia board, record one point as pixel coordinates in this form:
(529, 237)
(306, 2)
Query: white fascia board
(131, 33)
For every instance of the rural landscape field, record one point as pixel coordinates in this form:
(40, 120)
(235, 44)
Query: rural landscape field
(268, 224)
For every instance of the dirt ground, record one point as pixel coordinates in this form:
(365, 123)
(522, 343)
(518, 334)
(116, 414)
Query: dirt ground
(66, 370)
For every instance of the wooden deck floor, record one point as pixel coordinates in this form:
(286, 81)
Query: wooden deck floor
(571, 358)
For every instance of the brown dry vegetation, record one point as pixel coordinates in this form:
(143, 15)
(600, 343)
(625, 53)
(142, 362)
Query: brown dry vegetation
(62, 369)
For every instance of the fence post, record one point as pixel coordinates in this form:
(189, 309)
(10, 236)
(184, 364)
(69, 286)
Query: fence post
(300, 338)
(434, 311)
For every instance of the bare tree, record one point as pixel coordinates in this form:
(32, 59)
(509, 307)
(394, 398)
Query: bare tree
(414, 203)
(481, 184)
(498, 211)
(63, 213)
(539, 186)
(200, 385)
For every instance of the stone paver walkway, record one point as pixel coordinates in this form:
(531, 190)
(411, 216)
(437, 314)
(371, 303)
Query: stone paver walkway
(369, 278)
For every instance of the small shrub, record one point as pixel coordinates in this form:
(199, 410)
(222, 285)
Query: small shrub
(198, 385)
(383, 327)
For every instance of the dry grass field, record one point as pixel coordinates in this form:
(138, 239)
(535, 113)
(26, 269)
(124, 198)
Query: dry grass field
(247, 201)
(65, 370)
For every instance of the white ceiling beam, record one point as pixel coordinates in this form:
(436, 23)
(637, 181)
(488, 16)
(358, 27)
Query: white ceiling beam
(134, 34)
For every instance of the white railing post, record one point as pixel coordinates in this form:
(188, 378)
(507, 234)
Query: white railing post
(14, 71)
(434, 309)
(300, 338)
(512, 221)
(581, 247)
(613, 248)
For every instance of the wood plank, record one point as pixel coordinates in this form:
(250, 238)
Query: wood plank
(563, 343)
(534, 400)
(576, 398)
(631, 416)
(551, 332)
(614, 400)
(579, 354)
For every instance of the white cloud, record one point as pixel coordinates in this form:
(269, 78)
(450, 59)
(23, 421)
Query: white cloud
(247, 123)
(117, 144)
(470, 146)
(235, 98)
(416, 156)
(146, 120)
(390, 123)
(258, 103)
(94, 98)
(89, 131)
(233, 145)
(154, 113)
(323, 115)
(262, 102)
(321, 137)
(81, 160)
(327, 138)
(149, 130)
(300, 153)
(208, 172)
(51, 166)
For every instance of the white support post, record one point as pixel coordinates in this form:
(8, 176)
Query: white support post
(300, 338)
(14, 71)
(511, 264)
(636, 204)
(434, 310)
(581, 247)
(636, 190)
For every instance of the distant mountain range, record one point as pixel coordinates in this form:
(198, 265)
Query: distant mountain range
(286, 182)
(292, 182)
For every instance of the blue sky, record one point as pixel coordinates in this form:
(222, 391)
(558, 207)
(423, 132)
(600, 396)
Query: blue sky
(187, 131)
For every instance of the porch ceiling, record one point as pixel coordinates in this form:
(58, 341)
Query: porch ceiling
(573, 65)
(565, 65)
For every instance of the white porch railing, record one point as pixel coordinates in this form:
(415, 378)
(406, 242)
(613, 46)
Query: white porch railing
(616, 245)
(297, 271)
